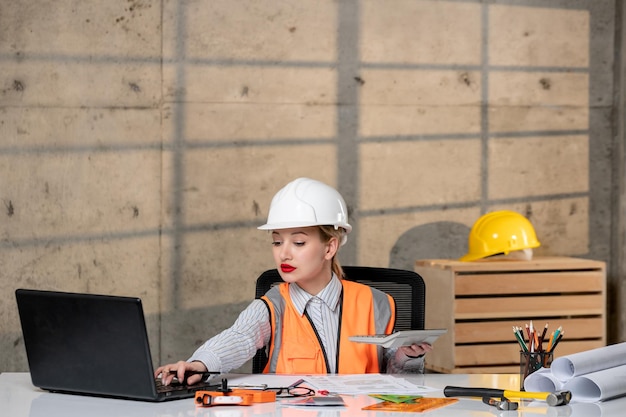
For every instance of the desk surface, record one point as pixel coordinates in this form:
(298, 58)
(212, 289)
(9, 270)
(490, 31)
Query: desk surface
(19, 398)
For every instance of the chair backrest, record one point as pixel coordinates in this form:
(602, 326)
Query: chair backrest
(406, 287)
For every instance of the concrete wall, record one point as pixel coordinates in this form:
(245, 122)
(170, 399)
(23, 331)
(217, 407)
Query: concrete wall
(141, 141)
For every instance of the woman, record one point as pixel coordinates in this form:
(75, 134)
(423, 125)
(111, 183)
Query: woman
(306, 321)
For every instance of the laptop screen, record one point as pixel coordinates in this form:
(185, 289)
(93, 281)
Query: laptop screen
(85, 343)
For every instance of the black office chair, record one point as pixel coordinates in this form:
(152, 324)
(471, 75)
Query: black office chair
(406, 287)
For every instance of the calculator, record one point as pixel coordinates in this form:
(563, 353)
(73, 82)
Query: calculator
(400, 338)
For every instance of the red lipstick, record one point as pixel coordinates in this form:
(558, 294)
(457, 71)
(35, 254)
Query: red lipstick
(287, 268)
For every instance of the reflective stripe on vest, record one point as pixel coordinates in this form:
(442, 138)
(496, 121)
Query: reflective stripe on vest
(295, 348)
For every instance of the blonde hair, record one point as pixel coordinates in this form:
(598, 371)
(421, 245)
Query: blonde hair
(327, 233)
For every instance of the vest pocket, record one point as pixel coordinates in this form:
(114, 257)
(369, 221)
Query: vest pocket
(302, 356)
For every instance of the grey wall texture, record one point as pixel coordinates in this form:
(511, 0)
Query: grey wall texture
(141, 141)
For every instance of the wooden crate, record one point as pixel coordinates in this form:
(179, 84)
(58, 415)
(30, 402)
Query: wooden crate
(480, 302)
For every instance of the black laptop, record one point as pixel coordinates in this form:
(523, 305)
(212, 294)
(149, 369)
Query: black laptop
(92, 345)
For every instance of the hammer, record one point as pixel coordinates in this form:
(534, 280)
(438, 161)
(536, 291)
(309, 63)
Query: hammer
(552, 398)
(504, 404)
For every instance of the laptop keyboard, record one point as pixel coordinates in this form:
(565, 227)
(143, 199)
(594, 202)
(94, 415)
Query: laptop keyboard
(173, 386)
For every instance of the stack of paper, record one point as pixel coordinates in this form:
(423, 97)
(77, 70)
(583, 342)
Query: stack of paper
(365, 384)
(591, 376)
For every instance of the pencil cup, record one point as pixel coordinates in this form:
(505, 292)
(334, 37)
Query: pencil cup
(530, 362)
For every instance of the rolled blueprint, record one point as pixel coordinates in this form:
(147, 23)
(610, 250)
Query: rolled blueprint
(567, 367)
(591, 376)
(598, 386)
(542, 381)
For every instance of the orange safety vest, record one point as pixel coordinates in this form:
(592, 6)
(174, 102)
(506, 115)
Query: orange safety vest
(295, 348)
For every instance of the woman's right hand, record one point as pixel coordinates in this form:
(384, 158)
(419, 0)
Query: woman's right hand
(177, 370)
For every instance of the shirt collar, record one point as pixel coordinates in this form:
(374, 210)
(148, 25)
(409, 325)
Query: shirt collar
(329, 295)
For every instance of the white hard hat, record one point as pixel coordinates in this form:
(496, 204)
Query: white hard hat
(305, 202)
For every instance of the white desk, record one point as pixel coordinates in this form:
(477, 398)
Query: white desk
(18, 398)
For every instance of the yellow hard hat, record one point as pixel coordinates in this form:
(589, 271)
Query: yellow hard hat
(500, 232)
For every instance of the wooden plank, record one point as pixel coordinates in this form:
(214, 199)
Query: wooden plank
(536, 264)
(505, 369)
(520, 282)
(498, 354)
(510, 307)
(502, 331)
(512, 369)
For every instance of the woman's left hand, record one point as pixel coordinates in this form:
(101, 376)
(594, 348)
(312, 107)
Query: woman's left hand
(416, 350)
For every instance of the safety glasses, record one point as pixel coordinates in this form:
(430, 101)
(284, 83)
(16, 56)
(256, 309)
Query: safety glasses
(291, 392)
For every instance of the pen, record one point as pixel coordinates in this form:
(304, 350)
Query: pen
(551, 342)
(557, 340)
(520, 331)
(250, 386)
(519, 338)
(543, 336)
(557, 333)
(204, 374)
(295, 384)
